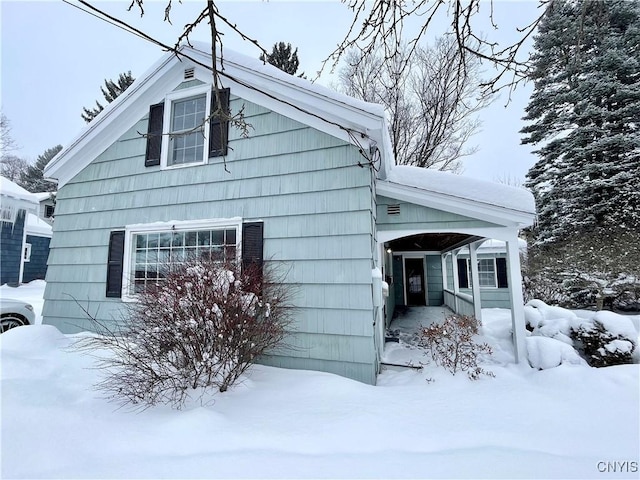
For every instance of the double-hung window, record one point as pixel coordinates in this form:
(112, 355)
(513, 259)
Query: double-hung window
(487, 272)
(190, 126)
(187, 134)
(491, 273)
(185, 127)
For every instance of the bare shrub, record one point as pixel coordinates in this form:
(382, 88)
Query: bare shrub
(451, 345)
(199, 329)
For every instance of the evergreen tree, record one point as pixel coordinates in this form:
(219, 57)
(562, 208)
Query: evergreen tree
(585, 115)
(110, 92)
(32, 179)
(282, 57)
(585, 111)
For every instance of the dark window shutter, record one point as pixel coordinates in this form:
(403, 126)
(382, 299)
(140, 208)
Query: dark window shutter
(252, 235)
(501, 271)
(114, 264)
(219, 127)
(463, 273)
(154, 135)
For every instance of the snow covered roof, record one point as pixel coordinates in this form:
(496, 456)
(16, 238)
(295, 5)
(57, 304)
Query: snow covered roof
(43, 195)
(37, 226)
(493, 245)
(8, 189)
(352, 120)
(467, 196)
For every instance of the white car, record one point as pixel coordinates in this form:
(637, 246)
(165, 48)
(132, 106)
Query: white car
(15, 313)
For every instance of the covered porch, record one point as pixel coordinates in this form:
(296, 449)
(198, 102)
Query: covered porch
(430, 226)
(425, 269)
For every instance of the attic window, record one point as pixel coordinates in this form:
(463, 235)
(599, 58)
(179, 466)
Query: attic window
(178, 134)
(189, 73)
(393, 209)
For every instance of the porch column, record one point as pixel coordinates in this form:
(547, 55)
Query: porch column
(517, 305)
(475, 280)
(454, 262)
(443, 265)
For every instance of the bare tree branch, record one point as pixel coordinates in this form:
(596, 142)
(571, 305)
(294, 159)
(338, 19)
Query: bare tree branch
(432, 105)
(382, 24)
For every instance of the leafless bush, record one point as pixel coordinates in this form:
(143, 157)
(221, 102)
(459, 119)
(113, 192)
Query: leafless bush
(199, 329)
(452, 346)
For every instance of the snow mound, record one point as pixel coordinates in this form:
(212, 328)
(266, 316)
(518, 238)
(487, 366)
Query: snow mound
(618, 346)
(33, 338)
(549, 321)
(537, 309)
(617, 325)
(544, 353)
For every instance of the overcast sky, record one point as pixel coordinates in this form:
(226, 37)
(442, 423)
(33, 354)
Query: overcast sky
(55, 58)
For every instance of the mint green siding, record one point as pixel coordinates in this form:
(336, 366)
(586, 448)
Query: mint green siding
(418, 217)
(433, 273)
(307, 188)
(491, 297)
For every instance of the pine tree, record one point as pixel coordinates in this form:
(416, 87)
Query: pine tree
(32, 179)
(585, 111)
(110, 92)
(584, 114)
(282, 57)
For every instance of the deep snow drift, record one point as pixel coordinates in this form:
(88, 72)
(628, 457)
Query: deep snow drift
(571, 421)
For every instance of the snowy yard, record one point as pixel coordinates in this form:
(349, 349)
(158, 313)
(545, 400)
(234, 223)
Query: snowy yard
(571, 421)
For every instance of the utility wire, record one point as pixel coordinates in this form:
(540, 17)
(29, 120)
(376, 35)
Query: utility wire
(96, 12)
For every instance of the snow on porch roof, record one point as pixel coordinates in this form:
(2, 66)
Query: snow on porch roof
(479, 194)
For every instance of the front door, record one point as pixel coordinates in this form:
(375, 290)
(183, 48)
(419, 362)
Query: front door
(414, 281)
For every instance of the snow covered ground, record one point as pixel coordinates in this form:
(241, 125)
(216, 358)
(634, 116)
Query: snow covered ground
(571, 421)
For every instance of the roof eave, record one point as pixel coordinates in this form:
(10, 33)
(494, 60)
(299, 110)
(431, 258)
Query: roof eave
(496, 214)
(362, 127)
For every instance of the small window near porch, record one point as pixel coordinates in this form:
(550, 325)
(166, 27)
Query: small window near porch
(487, 272)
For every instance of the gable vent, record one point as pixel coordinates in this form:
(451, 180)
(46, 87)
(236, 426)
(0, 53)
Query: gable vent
(393, 209)
(189, 73)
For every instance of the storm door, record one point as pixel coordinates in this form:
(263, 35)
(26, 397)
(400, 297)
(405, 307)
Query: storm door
(414, 281)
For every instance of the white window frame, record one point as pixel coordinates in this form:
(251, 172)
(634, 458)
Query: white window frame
(131, 230)
(169, 101)
(495, 273)
(27, 252)
(470, 280)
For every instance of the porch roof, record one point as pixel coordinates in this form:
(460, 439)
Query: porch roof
(480, 199)
(431, 242)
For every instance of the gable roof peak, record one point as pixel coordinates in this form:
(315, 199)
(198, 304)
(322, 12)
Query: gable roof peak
(355, 121)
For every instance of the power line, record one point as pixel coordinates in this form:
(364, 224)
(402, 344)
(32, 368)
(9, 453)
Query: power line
(352, 134)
